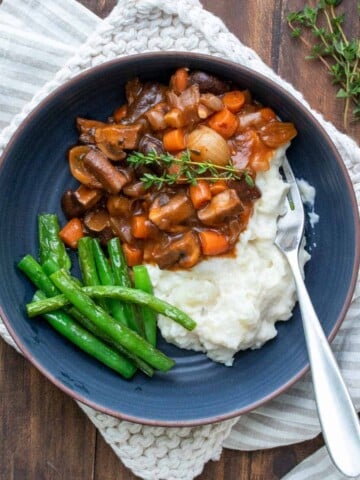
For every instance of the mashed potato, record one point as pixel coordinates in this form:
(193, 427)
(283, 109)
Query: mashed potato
(235, 301)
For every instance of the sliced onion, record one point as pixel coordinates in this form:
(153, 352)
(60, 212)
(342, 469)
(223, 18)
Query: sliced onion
(206, 145)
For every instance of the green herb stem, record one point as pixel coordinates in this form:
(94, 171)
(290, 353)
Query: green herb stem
(333, 48)
(188, 171)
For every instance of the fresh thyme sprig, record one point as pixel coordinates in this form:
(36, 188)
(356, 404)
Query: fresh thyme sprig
(187, 170)
(338, 54)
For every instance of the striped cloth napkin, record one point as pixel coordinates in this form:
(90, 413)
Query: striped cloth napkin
(32, 52)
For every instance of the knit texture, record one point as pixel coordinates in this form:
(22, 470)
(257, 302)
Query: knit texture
(159, 453)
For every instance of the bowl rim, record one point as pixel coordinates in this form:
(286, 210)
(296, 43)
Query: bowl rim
(191, 56)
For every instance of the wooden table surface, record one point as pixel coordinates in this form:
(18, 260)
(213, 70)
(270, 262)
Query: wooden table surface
(44, 435)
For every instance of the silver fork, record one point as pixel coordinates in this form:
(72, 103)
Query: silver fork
(338, 419)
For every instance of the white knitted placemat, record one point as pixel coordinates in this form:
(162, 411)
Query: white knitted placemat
(63, 39)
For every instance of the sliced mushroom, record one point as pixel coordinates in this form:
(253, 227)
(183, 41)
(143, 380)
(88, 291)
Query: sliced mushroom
(114, 139)
(221, 206)
(97, 223)
(119, 205)
(121, 227)
(87, 129)
(70, 205)
(135, 189)
(167, 211)
(97, 220)
(208, 83)
(88, 197)
(149, 143)
(132, 89)
(183, 251)
(78, 168)
(75, 203)
(111, 179)
(149, 95)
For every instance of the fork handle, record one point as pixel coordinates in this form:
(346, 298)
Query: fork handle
(337, 415)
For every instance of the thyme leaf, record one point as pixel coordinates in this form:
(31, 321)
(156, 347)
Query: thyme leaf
(186, 170)
(330, 45)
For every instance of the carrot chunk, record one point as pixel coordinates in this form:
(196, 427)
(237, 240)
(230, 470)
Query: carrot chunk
(174, 140)
(213, 243)
(218, 187)
(133, 255)
(224, 122)
(140, 226)
(71, 233)
(234, 100)
(200, 194)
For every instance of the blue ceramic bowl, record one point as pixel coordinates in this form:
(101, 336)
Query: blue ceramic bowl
(33, 175)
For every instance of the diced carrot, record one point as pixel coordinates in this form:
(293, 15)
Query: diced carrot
(140, 226)
(179, 81)
(174, 140)
(71, 233)
(224, 122)
(200, 194)
(213, 243)
(234, 100)
(133, 255)
(218, 187)
(120, 113)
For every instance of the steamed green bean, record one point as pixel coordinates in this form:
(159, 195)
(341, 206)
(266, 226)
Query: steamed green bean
(126, 337)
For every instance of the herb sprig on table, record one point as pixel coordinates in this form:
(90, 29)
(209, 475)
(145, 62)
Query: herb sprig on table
(339, 54)
(185, 169)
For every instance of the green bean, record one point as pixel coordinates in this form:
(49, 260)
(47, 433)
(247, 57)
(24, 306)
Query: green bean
(49, 266)
(87, 342)
(34, 271)
(125, 294)
(142, 282)
(106, 277)
(122, 279)
(50, 245)
(87, 264)
(89, 325)
(126, 337)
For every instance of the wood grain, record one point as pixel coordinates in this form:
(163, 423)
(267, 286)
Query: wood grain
(44, 435)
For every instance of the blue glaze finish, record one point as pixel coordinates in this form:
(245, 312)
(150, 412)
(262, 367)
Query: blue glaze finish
(33, 175)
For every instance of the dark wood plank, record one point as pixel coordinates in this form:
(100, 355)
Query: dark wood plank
(309, 76)
(44, 435)
(252, 22)
(102, 8)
